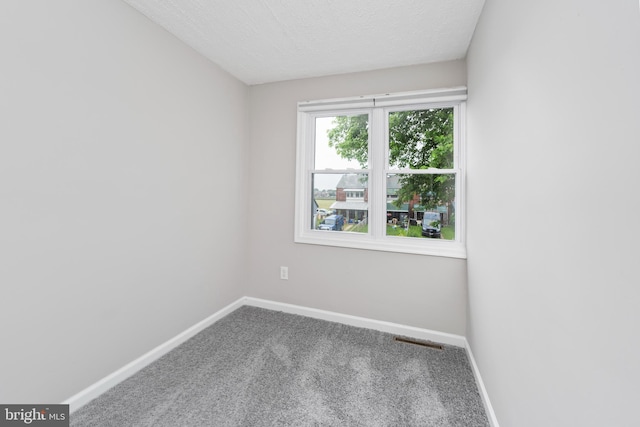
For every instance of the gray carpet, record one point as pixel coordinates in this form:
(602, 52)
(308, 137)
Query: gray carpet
(258, 367)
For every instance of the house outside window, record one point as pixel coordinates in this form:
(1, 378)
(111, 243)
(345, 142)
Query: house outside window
(389, 169)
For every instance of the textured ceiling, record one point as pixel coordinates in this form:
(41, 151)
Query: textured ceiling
(261, 41)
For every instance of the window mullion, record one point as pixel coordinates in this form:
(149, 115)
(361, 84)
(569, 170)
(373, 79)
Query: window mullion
(377, 199)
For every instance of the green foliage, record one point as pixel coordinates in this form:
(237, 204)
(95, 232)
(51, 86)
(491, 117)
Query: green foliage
(421, 139)
(418, 139)
(350, 138)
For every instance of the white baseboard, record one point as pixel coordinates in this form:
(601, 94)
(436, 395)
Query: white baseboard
(76, 401)
(79, 399)
(361, 322)
(481, 388)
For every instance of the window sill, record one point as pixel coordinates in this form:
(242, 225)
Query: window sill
(431, 247)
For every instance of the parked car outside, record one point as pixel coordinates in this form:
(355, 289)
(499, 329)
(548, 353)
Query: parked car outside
(332, 222)
(431, 225)
(322, 212)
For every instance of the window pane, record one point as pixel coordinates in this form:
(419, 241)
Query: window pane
(421, 139)
(421, 206)
(342, 142)
(340, 202)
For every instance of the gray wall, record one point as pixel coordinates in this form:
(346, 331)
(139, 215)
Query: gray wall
(554, 143)
(421, 291)
(121, 153)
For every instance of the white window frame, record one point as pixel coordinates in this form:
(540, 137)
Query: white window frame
(378, 108)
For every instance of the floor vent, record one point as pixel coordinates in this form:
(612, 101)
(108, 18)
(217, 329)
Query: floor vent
(429, 344)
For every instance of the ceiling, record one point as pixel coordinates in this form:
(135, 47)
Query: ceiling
(260, 41)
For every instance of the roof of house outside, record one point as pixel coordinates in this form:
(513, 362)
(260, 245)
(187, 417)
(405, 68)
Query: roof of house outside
(359, 181)
(391, 207)
(351, 206)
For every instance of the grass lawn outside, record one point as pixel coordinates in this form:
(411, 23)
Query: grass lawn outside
(325, 203)
(357, 228)
(414, 231)
(448, 233)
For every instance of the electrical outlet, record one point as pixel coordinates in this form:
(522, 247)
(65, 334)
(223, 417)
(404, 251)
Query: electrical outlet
(284, 273)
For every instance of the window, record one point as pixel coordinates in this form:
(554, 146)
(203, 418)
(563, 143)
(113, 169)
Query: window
(383, 172)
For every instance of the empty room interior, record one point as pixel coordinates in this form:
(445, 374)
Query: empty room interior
(150, 179)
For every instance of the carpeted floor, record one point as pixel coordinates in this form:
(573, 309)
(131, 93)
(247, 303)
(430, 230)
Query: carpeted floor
(258, 367)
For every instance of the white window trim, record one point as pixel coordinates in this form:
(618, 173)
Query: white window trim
(376, 238)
